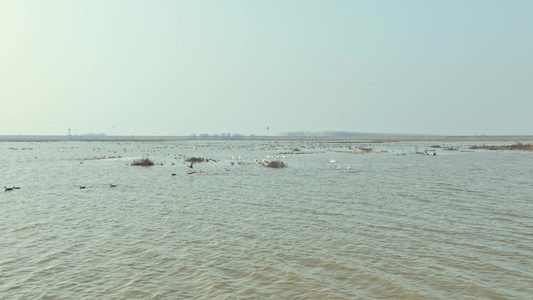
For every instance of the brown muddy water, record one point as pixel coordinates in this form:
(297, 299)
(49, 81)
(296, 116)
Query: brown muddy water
(388, 224)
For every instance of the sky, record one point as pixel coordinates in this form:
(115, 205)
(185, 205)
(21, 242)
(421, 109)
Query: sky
(131, 67)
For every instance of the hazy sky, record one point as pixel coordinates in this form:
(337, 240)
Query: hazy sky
(126, 67)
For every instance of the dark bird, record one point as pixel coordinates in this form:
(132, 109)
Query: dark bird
(16, 187)
(82, 186)
(112, 185)
(173, 174)
(8, 189)
(190, 166)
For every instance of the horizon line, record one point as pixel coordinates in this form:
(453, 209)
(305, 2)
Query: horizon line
(240, 137)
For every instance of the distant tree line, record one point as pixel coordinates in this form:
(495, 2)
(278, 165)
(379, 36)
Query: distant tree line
(328, 134)
(217, 136)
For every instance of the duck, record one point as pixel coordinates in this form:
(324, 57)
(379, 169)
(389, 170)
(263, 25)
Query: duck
(112, 185)
(8, 188)
(82, 186)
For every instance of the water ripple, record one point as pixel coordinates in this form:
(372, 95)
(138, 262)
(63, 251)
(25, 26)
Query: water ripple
(454, 226)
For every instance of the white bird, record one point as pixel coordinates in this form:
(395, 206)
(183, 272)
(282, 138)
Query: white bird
(331, 160)
(348, 167)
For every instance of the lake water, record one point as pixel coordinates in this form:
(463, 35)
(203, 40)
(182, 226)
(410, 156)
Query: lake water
(392, 225)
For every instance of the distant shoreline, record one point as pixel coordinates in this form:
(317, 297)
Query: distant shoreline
(378, 138)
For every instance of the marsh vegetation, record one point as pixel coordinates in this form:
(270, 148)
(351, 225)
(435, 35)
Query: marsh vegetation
(275, 164)
(144, 162)
(516, 146)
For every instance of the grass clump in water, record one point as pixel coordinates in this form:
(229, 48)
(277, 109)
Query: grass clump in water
(276, 164)
(516, 146)
(145, 162)
(195, 159)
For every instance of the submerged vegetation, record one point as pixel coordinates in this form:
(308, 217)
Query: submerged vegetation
(275, 164)
(145, 162)
(195, 159)
(516, 146)
(200, 159)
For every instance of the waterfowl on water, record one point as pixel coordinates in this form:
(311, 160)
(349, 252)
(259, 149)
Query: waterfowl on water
(112, 185)
(82, 186)
(8, 188)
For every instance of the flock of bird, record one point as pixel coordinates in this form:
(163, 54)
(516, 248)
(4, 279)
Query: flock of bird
(8, 189)
(110, 185)
(339, 166)
(289, 148)
(11, 188)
